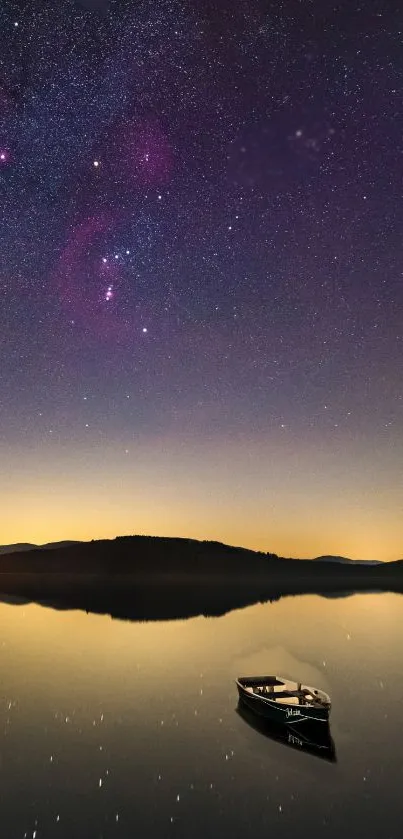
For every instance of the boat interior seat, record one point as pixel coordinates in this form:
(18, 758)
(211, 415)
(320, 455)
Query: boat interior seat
(279, 694)
(303, 694)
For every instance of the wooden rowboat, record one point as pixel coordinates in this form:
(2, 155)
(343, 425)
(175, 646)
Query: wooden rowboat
(284, 701)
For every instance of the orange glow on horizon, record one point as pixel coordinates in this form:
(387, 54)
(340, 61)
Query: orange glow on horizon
(282, 496)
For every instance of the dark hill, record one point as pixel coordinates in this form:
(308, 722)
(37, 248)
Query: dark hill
(346, 560)
(21, 547)
(18, 547)
(147, 556)
(153, 556)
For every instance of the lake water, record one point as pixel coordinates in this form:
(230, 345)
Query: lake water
(119, 729)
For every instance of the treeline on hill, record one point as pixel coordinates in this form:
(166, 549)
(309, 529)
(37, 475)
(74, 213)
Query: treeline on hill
(138, 554)
(153, 555)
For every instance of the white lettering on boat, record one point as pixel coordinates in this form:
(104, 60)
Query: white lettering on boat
(293, 712)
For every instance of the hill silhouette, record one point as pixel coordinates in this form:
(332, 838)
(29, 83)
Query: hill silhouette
(154, 578)
(345, 559)
(20, 547)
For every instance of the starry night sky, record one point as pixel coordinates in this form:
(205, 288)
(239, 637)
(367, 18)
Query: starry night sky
(201, 264)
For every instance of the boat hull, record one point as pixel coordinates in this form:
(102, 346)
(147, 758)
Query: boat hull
(315, 739)
(284, 713)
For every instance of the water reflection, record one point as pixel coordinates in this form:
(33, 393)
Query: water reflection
(315, 739)
(126, 597)
(113, 729)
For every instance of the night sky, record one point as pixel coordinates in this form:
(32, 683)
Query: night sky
(201, 267)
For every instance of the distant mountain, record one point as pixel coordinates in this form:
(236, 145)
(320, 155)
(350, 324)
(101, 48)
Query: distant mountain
(153, 556)
(22, 547)
(346, 560)
(18, 547)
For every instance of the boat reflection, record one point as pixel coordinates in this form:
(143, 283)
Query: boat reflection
(316, 739)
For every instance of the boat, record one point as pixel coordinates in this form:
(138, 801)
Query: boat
(316, 740)
(284, 701)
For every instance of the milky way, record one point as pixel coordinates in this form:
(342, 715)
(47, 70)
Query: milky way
(201, 215)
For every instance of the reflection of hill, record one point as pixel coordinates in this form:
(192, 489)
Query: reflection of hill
(126, 599)
(335, 595)
(142, 577)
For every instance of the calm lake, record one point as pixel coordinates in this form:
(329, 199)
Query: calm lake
(119, 729)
